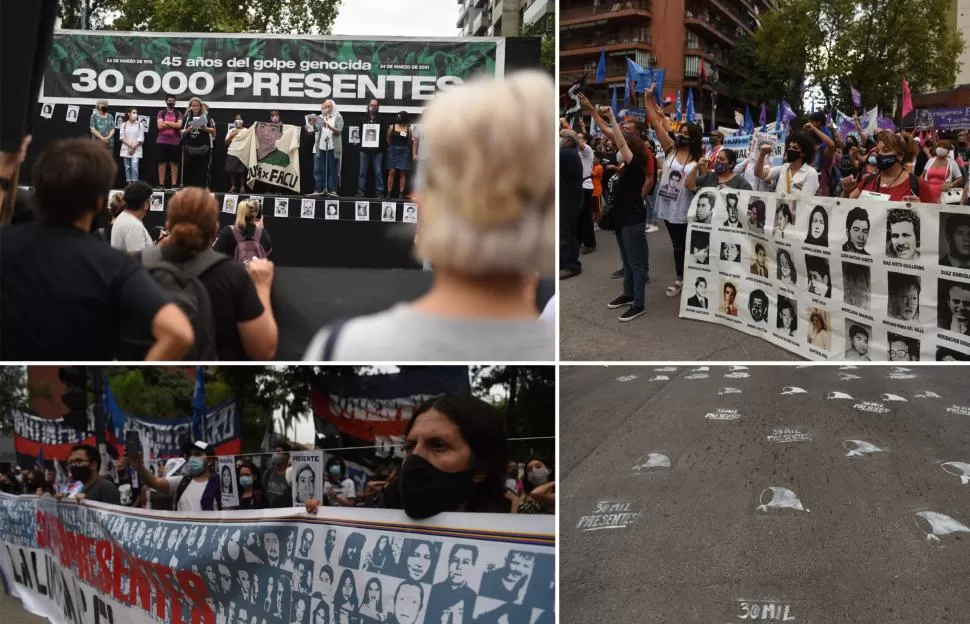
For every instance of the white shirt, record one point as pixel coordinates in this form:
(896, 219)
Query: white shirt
(803, 182)
(128, 233)
(673, 200)
(586, 155)
(346, 489)
(132, 132)
(192, 496)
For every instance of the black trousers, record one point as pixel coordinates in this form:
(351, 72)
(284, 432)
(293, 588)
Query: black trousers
(584, 223)
(195, 170)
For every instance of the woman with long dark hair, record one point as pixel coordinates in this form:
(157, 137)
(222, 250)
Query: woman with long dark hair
(818, 227)
(345, 600)
(372, 605)
(540, 489)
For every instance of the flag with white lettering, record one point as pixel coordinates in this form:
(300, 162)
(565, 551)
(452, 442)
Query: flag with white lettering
(271, 153)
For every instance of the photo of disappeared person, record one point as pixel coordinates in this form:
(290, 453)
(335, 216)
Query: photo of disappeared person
(856, 231)
(786, 268)
(902, 234)
(955, 246)
(784, 216)
(819, 278)
(759, 266)
(758, 306)
(904, 290)
(819, 334)
(787, 319)
(954, 307)
(858, 285)
(730, 252)
(949, 355)
(705, 208)
(700, 247)
(903, 348)
(729, 294)
(756, 214)
(733, 220)
(699, 300)
(818, 227)
(857, 349)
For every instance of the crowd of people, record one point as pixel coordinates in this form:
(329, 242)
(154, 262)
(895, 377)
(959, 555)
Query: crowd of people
(193, 291)
(634, 173)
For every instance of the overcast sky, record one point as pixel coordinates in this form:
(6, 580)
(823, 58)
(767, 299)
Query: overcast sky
(397, 18)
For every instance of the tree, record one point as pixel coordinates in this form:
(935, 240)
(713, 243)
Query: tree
(528, 401)
(870, 44)
(13, 394)
(762, 82)
(544, 29)
(229, 16)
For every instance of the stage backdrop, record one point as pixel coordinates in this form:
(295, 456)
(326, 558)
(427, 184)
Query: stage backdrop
(832, 278)
(100, 564)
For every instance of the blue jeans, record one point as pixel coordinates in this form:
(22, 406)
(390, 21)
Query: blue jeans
(131, 169)
(373, 162)
(632, 240)
(326, 172)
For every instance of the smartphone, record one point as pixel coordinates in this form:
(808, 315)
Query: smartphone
(132, 444)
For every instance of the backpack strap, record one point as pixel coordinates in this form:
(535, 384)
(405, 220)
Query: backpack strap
(331, 344)
(183, 485)
(914, 184)
(236, 233)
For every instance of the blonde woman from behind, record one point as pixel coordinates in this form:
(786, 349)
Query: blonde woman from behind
(486, 204)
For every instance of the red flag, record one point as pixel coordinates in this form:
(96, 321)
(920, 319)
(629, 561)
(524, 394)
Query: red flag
(907, 99)
(703, 72)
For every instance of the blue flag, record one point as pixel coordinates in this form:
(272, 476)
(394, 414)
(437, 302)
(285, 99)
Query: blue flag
(778, 114)
(601, 68)
(679, 108)
(690, 105)
(616, 109)
(748, 122)
(198, 404)
(763, 118)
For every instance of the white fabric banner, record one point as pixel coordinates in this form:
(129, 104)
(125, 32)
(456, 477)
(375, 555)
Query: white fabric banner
(271, 152)
(91, 563)
(831, 278)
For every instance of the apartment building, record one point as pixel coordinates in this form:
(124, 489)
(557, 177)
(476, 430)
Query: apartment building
(502, 18)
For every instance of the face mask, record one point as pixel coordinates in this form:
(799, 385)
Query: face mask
(170, 104)
(246, 482)
(426, 491)
(681, 141)
(104, 109)
(81, 473)
(239, 123)
(941, 152)
(275, 119)
(334, 471)
(539, 476)
(195, 466)
(794, 156)
(872, 160)
(279, 459)
(885, 162)
(720, 167)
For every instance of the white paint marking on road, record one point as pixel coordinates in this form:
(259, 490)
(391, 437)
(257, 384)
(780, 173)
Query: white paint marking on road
(789, 390)
(959, 410)
(939, 525)
(765, 610)
(609, 515)
(666, 369)
(723, 414)
(872, 407)
(848, 377)
(789, 434)
(927, 394)
(848, 367)
(958, 469)
(697, 376)
(626, 378)
(780, 498)
(724, 391)
(860, 448)
(651, 460)
(894, 397)
(659, 378)
(737, 375)
(701, 369)
(738, 367)
(839, 395)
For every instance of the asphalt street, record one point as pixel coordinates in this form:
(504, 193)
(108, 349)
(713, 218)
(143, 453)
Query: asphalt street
(589, 331)
(12, 612)
(736, 494)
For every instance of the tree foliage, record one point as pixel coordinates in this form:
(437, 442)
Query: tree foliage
(227, 16)
(528, 401)
(870, 44)
(13, 394)
(545, 30)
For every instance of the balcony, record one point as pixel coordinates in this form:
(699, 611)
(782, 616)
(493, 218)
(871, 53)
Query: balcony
(582, 17)
(537, 10)
(736, 17)
(719, 28)
(613, 46)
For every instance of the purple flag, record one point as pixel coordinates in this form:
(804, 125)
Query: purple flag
(763, 119)
(856, 97)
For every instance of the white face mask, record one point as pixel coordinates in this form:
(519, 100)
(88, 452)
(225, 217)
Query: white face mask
(941, 152)
(538, 476)
(239, 122)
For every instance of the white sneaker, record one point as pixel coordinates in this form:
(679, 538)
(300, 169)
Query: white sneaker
(652, 228)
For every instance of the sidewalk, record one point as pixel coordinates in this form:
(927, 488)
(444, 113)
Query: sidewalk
(14, 613)
(589, 331)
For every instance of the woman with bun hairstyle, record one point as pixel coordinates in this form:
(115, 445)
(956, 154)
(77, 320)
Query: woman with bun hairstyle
(487, 227)
(245, 328)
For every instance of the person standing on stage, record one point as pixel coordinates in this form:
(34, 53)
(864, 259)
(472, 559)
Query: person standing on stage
(327, 149)
(198, 143)
(169, 123)
(372, 158)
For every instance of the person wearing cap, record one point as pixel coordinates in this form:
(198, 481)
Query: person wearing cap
(128, 232)
(196, 489)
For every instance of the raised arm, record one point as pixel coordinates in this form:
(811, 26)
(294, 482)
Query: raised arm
(759, 167)
(655, 117)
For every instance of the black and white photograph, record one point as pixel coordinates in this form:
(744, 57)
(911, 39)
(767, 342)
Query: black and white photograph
(902, 234)
(145, 122)
(787, 316)
(353, 550)
(410, 213)
(700, 247)
(758, 306)
(759, 260)
(362, 211)
(904, 292)
(227, 481)
(281, 207)
(858, 337)
(729, 296)
(354, 135)
(229, 203)
(388, 211)
(819, 328)
(856, 231)
(307, 476)
(382, 558)
(333, 210)
(944, 354)
(819, 276)
(756, 214)
(785, 268)
(301, 609)
(419, 559)
(72, 113)
(303, 575)
(953, 313)
(902, 348)
(371, 135)
(308, 209)
(818, 227)
(47, 111)
(730, 252)
(157, 202)
(784, 217)
(857, 284)
(955, 240)
(511, 581)
(699, 298)
(733, 212)
(705, 206)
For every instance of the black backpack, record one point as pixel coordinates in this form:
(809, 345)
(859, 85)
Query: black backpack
(181, 283)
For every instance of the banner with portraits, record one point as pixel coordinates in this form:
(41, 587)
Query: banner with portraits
(271, 153)
(95, 563)
(832, 278)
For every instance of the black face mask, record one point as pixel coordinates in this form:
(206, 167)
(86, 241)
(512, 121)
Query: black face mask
(170, 104)
(104, 109)
(81, 473)
(794, 155)
(681, 141)
(427, 491)
(885, 161)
